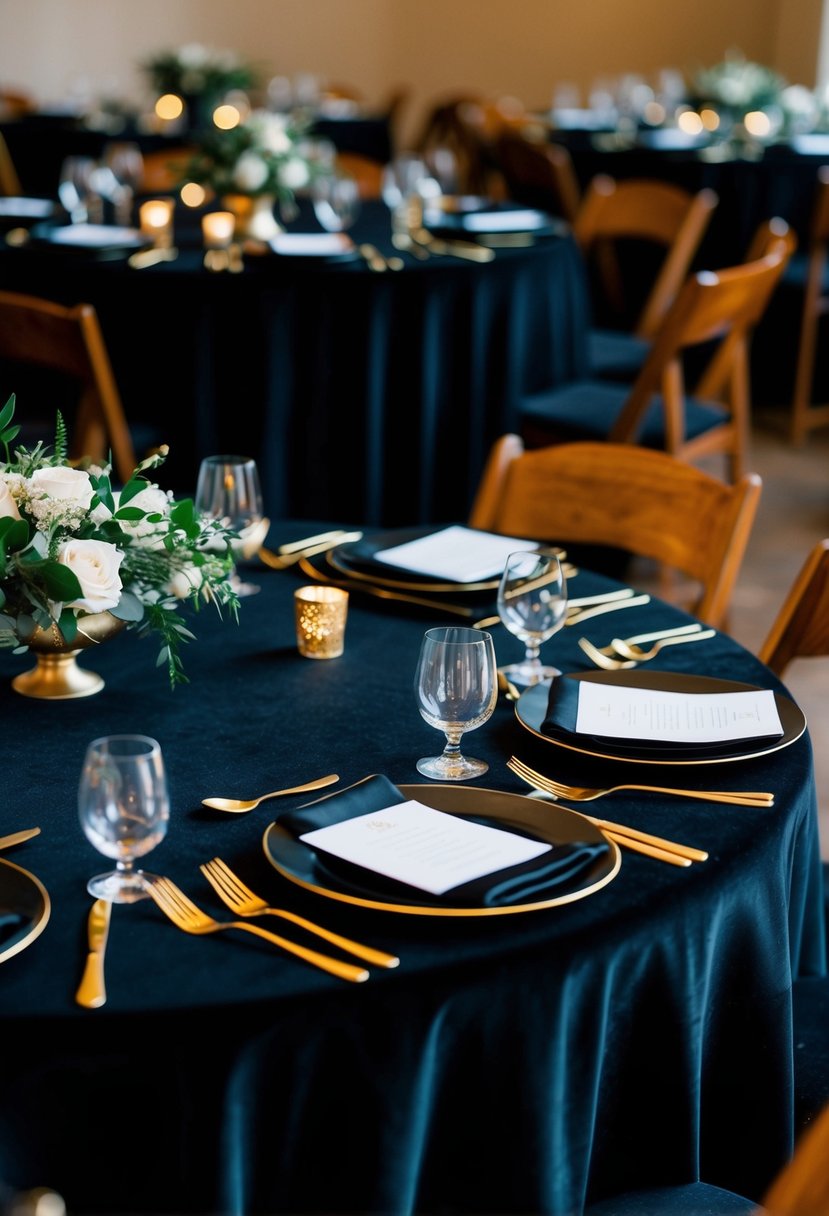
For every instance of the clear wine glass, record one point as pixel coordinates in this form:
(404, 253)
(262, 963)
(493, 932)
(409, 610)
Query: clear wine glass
(76, 190)
(456, 687)
(401, 179)
(532, 604)
(124, 809)
(336, 199)
(228, 491)
(126, 162)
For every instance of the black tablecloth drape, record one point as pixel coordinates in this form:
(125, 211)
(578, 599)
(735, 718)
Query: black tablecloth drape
(521, 1063)
(370, 397)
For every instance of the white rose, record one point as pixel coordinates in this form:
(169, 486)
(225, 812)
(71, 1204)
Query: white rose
(153, 501)
(61, 482)
(8, 507)
(185, 581)
(294, 174)
(250, 173)
(193, 55)
(272, 135)
(95, 564)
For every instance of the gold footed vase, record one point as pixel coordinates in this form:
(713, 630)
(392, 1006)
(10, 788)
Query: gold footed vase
(254, 217)
(56, 675)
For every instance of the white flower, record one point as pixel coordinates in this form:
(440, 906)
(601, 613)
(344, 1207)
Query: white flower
(95, 563)
(193, 55)
(294, 174)
(61, 482)
(153, 501)
(185, 581)
(8, 506)
(251, 172)
(271, 133)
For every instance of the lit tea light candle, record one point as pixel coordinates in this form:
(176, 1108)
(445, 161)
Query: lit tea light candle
(217, 229)
(156, 220)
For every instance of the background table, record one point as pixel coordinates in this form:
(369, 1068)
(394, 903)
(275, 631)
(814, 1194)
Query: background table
(512, 1064)
(370, 397)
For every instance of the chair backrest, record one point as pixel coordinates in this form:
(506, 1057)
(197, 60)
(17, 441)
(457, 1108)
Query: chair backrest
(537, 174)
(642, 501)
(802, 1186)
(801, 628)
(455, 122)
(68, 340)
(721, 308)
(805, 415)
(164, 168)
(9, 180)
(664, 215)
(367, 172)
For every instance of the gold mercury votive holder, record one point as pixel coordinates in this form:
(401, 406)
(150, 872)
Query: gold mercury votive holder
(320, 614)
(155, 218)
(217, 236)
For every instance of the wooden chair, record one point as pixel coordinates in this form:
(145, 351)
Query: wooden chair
(620, 226)
(68, 340)
(456, 123)
(164, 168)
(9, 181)
(367, 173)
(801, 628)
(646, 503)
(537, 174)
(806, 416)
(715, 312)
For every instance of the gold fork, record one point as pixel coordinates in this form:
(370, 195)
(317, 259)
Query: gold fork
(280, 561)
(244, 902)
(623, 653)
(185, 915)
(622, 833)
(580, 793)
(608, 652)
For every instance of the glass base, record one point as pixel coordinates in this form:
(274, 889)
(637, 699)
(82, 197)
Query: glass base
(451, 768)
(528, 674)
(118, 887)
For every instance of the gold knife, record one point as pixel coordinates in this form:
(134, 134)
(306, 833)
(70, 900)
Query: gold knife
(92, 991)
(18, 837)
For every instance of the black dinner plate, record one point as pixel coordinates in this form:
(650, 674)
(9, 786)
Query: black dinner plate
(91, 240)
(492, 220)
(301, 864)
(531, 710)
(358, 560)
(25, 908)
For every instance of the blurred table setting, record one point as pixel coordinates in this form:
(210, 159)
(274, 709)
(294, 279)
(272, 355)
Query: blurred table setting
(328, 354)
(520, 1005)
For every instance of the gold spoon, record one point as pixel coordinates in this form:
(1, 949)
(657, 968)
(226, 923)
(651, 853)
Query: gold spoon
(237, 806)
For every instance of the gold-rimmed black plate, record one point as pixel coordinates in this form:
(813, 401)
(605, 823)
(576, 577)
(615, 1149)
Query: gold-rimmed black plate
(531, 710)
(358, 559)
(25, 908)
(553, 824)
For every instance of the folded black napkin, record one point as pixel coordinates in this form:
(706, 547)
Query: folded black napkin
(560, 723)
(542, 877)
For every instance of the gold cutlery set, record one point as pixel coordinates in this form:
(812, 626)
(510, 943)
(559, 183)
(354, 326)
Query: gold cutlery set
(377, 261)
(622, 653)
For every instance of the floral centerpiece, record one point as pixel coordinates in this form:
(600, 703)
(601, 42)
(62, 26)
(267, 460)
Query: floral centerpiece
(263, 155)
(198, 74)
(72, 548)
(737, 85)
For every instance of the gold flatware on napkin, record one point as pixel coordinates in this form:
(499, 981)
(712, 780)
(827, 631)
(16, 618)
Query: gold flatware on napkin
(579, 793)
(238, 806)
(452, 249)
(92, 990)
(186, 916)
(244, 902)
(151, 257)
(281, 561)
(6, 842)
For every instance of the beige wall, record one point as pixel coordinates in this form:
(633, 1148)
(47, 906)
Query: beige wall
(494, 47)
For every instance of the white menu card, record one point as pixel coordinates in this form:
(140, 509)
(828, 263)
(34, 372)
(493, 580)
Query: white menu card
(675, 717)
(457, 554)
(425, 848)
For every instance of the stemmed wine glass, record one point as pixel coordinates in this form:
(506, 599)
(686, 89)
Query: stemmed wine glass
(125, 161)
(124, 809)
(228, 491)
(532, 604)
(336, 199)
(456, 687)
(76, 189)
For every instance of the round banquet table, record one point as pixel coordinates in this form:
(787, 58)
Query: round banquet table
(519, 1063)
(366, 396)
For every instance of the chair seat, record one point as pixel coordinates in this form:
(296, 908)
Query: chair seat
(615, 355)
(691, 1199)
(587, 409)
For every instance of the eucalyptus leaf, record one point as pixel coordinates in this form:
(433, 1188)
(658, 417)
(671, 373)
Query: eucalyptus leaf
(128, 608)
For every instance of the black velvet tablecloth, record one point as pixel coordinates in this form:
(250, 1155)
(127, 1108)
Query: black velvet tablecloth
(519, 1063)
(369, 397)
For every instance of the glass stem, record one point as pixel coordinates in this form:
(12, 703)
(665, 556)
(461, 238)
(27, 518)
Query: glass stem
(452, 750)
(533, 653)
